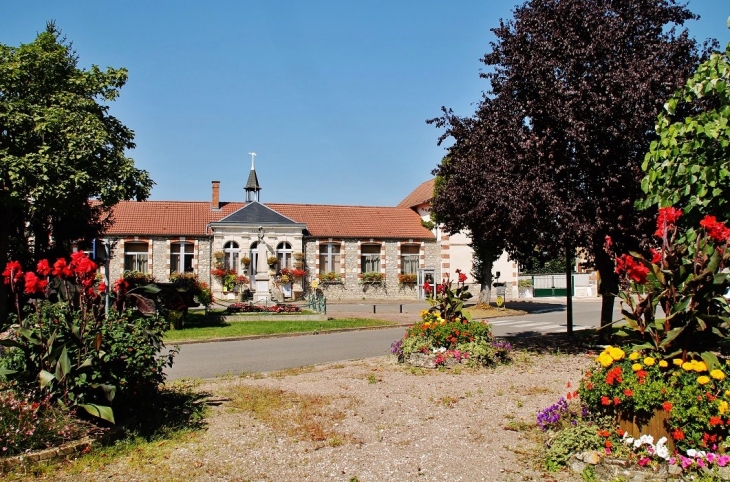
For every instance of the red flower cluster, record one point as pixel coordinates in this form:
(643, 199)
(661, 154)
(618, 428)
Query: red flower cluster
(677, 434)
(634, 270)
(614, 375)
(462, 276)
(667, 406)
(81, 267)
(715, 229)
(666, 219)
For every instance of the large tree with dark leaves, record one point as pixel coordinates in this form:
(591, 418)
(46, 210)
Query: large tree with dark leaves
(59, 148)
(552, 157)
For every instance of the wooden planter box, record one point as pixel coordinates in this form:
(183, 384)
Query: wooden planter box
(654, 425)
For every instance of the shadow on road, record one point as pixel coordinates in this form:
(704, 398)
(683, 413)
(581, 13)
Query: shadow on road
(535, 306)
(583, 341)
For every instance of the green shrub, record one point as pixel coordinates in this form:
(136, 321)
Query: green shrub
(62, 347)
(578, 438)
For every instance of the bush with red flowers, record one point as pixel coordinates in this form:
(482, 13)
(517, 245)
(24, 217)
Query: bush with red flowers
(61, 346)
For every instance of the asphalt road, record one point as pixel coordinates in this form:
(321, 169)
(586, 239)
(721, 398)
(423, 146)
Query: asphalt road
(208, 360)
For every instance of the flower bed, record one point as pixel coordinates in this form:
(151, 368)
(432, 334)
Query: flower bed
(250, 308)
(445, 336)
(661, 399)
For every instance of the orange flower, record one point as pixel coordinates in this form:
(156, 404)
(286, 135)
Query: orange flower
(628, 392)
(715, 421)
(604, 433)
(667, 406)
(677, 434)
(605, 400)
(608, 444)
(616, 400)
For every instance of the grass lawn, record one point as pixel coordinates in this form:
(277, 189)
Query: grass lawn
(198, 327)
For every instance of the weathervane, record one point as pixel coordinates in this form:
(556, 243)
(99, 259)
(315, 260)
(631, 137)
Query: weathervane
(253, 156)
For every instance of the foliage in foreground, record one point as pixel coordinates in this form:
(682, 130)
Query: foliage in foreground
(62, 347)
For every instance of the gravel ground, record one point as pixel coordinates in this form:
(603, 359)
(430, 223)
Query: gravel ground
(383, 421)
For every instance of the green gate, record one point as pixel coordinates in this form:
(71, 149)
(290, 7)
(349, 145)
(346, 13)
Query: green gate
(551, 285)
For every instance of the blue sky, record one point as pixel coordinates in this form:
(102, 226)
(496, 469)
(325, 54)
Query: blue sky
(332, 95)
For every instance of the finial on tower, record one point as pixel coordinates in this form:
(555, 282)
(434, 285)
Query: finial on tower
(253, 157)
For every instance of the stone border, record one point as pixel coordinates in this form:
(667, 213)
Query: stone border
(235, 317)
(54, 454)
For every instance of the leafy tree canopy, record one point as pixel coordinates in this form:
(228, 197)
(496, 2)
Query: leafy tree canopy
(552, 157)
(58, 144)
(59, 149)
(689, 165)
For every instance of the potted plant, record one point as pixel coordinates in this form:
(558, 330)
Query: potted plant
(245, 261)
(218, 255)
(272, 260)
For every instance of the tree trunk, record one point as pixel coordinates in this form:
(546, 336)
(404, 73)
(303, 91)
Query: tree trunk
(485, 288)
(4, 248)
(569, 288)
(608, 288)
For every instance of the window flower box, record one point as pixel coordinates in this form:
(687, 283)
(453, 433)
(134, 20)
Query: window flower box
(407, 279)
(372, 278)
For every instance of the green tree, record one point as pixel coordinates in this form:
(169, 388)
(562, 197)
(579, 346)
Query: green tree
(689, 165)
(62, 155)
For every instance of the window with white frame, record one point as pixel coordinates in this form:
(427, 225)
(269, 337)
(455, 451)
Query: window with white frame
(283, 254)
(409, 258)
(136, 256)
(230, 256)
(370, 258)
(329, 257)
(181, 257)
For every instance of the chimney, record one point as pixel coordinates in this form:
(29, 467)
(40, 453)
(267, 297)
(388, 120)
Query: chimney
(215, 202)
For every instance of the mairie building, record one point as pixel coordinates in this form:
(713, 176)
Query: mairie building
(347, 252)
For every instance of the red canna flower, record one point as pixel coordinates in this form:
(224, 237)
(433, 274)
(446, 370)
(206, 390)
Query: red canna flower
(43, 268)
(715, 229)
(666, 219)
(31, 283)
(13, 272)
(61, 268)
(656, 256)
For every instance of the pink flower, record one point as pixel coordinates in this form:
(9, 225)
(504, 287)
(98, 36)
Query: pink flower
(723, 460)
(644, 461)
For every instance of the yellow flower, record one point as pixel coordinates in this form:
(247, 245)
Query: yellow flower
(727, 393)
(648, 361)
(636, 367)
(634, 356)
(605, 360)
(717, 374)
(677, 362)
(700, 366)
(703, 380)
(722, 407)
(687, 366)
(616, 353)
(663, 364)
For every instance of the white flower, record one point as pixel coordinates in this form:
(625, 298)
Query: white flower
(647, 439)
(662, 451)
(629, 440)
(691, 453)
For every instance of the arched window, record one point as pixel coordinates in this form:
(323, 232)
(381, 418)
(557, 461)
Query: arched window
(283, 254)
(230, 256)
(135, 256)
(181, 257)
(254, 255)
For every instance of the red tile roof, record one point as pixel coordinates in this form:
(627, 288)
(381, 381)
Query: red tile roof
(421, 195)
(182, 218)
(356, 221)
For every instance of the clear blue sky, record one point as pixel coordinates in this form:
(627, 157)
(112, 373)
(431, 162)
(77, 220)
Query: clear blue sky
(332, 95)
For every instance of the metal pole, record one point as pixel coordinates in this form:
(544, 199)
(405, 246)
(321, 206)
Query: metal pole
(107, 255)
(373, 309)
(401, 308)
